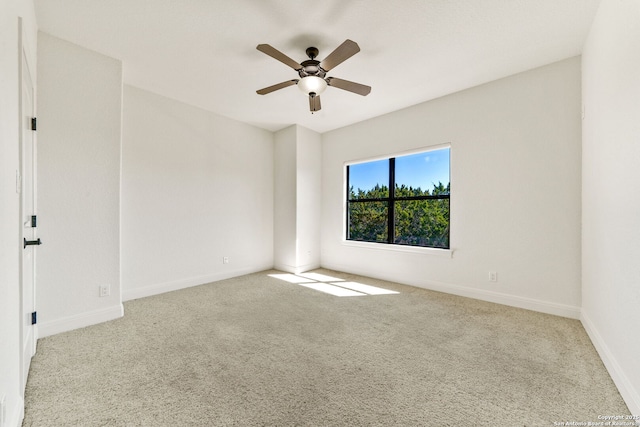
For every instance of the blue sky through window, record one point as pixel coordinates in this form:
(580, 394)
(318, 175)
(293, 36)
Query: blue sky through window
(415, 170)
(365, 176)
(423, 169)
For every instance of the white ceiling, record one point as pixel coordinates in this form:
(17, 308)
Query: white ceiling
(203, 52)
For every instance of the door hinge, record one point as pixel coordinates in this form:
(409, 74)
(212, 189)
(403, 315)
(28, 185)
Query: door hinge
(34, 317)
(33, 123)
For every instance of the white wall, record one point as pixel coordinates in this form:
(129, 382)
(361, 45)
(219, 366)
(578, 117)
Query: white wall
(309, 198)
(196, 187)
(10, 248)
(297, 199)
(515, 190)
(79, 128)
(610, 197)
(285, 199)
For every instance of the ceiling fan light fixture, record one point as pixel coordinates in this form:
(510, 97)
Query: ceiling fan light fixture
(312, 84)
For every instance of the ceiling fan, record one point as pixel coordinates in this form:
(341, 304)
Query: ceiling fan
(313, 73)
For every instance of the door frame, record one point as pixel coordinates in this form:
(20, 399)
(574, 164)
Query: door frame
(25, 71)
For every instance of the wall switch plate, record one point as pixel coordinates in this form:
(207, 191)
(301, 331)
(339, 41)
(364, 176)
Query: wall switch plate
(105, 290)
(225, 260)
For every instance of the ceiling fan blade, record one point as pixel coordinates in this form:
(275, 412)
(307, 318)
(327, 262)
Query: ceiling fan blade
(276, 54)
(363, 90)
(314, 103)
(343, 52)
(273, 88)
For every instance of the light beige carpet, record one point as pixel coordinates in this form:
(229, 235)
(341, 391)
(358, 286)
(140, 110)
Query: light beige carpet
(259, 351)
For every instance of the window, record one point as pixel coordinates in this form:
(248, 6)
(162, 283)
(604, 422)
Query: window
(401, 200)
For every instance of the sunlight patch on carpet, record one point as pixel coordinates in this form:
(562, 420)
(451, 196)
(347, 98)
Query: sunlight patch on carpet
(320, 277)
(331, 289)
(367, 289)
(332, 285)
(291, 278)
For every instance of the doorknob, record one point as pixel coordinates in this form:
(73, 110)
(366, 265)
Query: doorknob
(32, 242)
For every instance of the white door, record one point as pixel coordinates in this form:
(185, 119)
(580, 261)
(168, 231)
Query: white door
(27, 222)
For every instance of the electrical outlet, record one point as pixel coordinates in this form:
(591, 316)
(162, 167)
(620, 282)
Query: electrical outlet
(493, 276)
(105, 290)
(225, 260)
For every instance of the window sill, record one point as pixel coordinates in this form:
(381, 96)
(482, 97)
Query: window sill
(443, 253)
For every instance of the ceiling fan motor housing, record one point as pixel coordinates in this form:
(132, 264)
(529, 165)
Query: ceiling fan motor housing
(311, 67)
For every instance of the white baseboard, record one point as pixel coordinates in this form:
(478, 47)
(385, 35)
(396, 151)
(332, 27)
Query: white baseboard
(80, 320)
(285, 267)
(307, 267)
(160, 288)
(541, 306)
(296, 269)
(548, 307)
(628, 392)
(16, 414)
